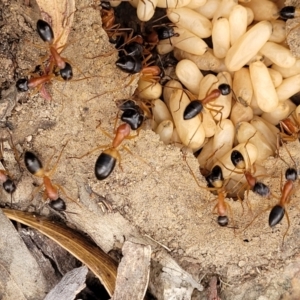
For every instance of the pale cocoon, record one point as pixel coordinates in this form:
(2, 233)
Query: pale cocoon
(223, 138)
(224, 9)
(237, 22)
(196, 3)
(263, 9)
(188, 42)
(170, 86)
(278, 54)
(221, 37)
(189, 75)
(256, 110)
(172, 3)
(242, 86)
(146, 9)
(263, 87)
(165, 131)
(250, 16)
(208, 123)
(276, 77)
(246, 132)
(281, 112)
(133, 3)
(288, 72)
(206, 62)
(288, 87)
(240, 113)
(205, 85)
(221, 105)
(209, 9)
(160, 111)
(190, 20)
(191, 132)
(278, 33)
(206, 156)
(269, 135)
(248, 45)
(248, 151)
(149, 90)
(164, 47)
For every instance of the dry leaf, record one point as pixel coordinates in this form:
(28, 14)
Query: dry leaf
(59, 14)
(101, 264)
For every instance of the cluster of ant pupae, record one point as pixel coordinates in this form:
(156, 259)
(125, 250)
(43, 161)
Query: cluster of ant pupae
(183, 106)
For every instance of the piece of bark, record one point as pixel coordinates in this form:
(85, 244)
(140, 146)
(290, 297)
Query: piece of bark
(20, 275)
(70, 285)
(133, 272)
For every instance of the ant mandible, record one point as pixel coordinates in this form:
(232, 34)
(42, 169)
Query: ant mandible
(35, 167)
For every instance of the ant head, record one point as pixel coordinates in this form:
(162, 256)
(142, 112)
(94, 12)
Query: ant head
(291, 174)
(22, 85)
(134, 49)
(276, 215)
(9, 186)
(126, 104)
(225, 89)
(129, 64)
(66, 73)
(215, 178)
(58, 204)
(192, 110)
(261, 189)
(287, 12)
(237, 159)
(45, 31)
(105, 5)
(134, 117)
(32, 163)
(223, 220)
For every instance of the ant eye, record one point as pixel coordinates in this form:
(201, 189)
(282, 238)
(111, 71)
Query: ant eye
(66, 73)
(45, 31)
(22, 85)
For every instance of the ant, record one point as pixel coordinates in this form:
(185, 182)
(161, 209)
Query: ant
(106, 161)
(46, 34)
(132, 114)
(217, 183)
(35, 167)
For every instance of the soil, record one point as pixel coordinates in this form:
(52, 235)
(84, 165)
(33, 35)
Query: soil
(154, 191)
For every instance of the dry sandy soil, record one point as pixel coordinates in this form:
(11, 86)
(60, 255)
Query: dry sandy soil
(154, 193)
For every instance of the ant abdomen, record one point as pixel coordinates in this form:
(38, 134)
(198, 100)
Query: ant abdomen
(192, 110)
(105, 163)
(237, 159)
(276, 215)
(32, 163)
(45, 31)
(9, 186)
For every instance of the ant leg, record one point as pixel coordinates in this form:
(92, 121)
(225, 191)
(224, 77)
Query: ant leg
(35, 191)
(52, 171)
(91, 151)
(288, 219)
(60, 188)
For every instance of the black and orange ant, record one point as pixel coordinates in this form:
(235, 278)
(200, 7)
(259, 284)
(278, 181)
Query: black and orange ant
(106, 161)
(51, 192)
(290, 128)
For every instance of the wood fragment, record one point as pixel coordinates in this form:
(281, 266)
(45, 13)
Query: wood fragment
(133, 272)
(70, 285)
